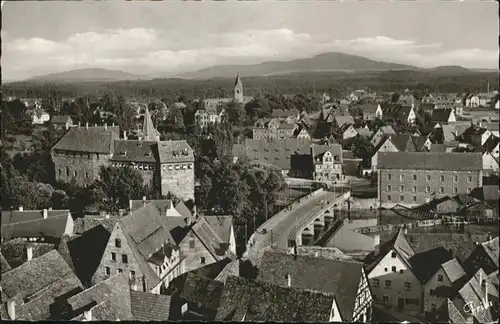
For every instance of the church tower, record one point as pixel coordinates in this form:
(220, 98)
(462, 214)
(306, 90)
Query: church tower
(238, 89)
(149, 132)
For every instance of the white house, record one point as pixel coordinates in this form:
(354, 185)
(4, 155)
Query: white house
(348, 131)
(380, 133)
(490, 163)
(436, 287)
(386, 146)
(392, 281)
(39, 117)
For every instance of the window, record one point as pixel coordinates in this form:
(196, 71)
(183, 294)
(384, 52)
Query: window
(393, 269)
(415, 198)
(389, 188)
(428, 177)
(60, 171)
(86, 174)
(376, 283)
(124, 258)
(455, 190)
(408, 286)
(401, 271)
(432, 292)
(107, 271)
(118, 243)
(414, 177)
(401, 198)
(202, 260)
(67, 171)
(113, 256)
(455, 178)
(440, 278)
(393, 255)
(441, 189)
(119, 270)
(414, 189)
(433, 307)
(97, 155)
(469, 190)
(388, 284)
(388, 176)
(385, 269)
(132, 274)
(191, 243)
(386, 299)
(401, 188)
(427, 189)
(469, 178)
(401, 177)
(442, 178)
(389, 197)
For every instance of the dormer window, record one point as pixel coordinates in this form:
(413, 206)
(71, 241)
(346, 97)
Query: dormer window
(147, 154)
(123, 152)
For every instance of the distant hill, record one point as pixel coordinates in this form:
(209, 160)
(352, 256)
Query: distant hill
(84, 75)
(450, 69)
(327, 62)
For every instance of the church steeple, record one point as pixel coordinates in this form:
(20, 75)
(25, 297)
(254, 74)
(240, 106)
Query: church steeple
(238, 89)
(149, 132)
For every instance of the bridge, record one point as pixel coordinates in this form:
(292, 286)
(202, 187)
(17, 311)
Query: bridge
(299, 223)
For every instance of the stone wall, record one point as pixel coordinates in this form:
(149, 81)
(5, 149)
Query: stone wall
(180, 181)
(83, 167)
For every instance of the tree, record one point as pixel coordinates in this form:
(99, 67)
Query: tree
(362, 147)
(235, 113)
(119, 185)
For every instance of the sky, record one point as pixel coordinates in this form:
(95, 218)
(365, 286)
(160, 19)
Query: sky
(169, 37)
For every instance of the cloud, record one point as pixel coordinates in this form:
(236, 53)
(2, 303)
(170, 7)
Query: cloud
(146, 51)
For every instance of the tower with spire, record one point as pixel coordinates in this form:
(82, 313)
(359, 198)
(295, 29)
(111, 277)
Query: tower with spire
(238, 89)
(149, 132)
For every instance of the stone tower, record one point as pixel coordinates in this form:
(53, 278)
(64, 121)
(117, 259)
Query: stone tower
(238, 89)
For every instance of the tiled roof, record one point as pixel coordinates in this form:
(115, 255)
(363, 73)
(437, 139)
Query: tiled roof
(491, 248)
(92, 140)
(260, 301)
(177, 227)
(387, 129)
(364, 132)
(30, 278)
(183, 210)
(425, 264)
(114, 290)
(161, 204)
(419, 142)
(431, 161)
(454, 315)
(202, 291)
(441, 115)
(280, 113)
(491, 143)
(403, 142)
(32, 224)
(149, 307)
(334, 149)
(209, 238)
(213, 106)
(427, 106)
(342, 120)
(438, 148)
(149, 131)
(175, 152)
(4, 264)
(285, 154)
(135, 151)
(59, 119)
(222, 225)
(231, 269)
(330, 253)
(86, 223)
(339, 278)
(453, 270)
(493, 126)
(369, 108)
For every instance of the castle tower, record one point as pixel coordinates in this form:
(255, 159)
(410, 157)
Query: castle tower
(149, 132)
(238, 89)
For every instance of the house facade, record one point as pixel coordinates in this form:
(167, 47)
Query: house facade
(415, 178)
(385, 145)
(380, 133)
(61, 122)
(39, 117)
(273, 128)
(327, 162)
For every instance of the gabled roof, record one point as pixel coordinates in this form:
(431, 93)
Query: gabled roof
(183, 210)
(335, 149)
(202, 291)
(149, 132)
(431, 161)
(402, 142)
(342, 120)
(60, 119)
(398, 243)
(4, 265)
(491, 248)
(441, 115)
(175, 152)
(419, 142)
(135, 151)
(280, 113)
(336, 277)
(249, 300)
(231, 269)
(222, 225)
(425, 264)
(91, 140)
(149, 307)
(453, 270)
(114, 290)
(491, 143)
(31, 223)
(31, 279)
(209, 238)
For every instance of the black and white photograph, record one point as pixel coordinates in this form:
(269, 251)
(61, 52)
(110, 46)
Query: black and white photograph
(250, 161)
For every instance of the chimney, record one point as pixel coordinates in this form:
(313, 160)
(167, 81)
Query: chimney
(188, 221)
(87, 125)
(87, 315)
(11, 309)
(106, 126)
(45, 214)
(143, 200)
(124, 135)
(289, 280)
(113, 124)
(376, 240)
(29, 253)
(106, 216)
(489, 236)
(78, 124)
(376, 250)
(486, 301)
(21, 208)
(130, 204)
